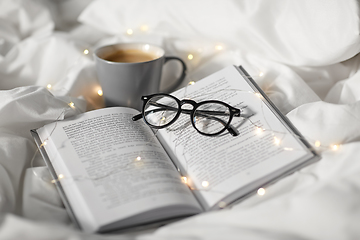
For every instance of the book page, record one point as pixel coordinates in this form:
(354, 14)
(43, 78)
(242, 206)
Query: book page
(113, 168)
(219, 166)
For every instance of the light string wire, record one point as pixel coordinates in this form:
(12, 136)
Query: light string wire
(190, 57)
(313, 142)
(70, 105)
(259, 128)
(129, 32)
(206, 186)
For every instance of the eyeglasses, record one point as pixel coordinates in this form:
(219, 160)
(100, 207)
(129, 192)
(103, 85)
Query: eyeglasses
(208, 117)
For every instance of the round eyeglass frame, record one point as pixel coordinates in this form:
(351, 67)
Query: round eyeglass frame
(232, 112)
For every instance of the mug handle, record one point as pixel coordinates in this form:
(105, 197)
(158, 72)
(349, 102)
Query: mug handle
(180, 79)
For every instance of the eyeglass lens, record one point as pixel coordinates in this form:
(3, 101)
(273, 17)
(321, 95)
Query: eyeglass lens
(160, 110)
(211, 118)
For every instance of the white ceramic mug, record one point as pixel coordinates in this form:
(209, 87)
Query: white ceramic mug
(127, 71)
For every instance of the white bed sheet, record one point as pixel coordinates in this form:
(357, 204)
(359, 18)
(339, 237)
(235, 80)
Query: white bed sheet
(304, 56)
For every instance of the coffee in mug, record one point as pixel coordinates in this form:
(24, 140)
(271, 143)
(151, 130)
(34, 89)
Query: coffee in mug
(127, 71)
(129, 56)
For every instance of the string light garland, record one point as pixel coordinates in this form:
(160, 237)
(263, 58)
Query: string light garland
(85, 52)
(259, 130)
(44, 143)
(205, 184)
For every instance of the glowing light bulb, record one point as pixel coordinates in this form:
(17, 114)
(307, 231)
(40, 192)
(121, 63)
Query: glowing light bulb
(138, 158)
(100, 92)
(276, 141)
(144, 28)
(205, 184)
(129, 31)
(190, 56)
(261, 191)
(222, 204)
(72, 105)
(191, 83)
(335, 147)
(43, 144)
(259, 130)
(86, 51)
(317, 144)
(219, 47)
(49, 86)
(261, 74)
(60, 176)
(184, 180)
(258, 95)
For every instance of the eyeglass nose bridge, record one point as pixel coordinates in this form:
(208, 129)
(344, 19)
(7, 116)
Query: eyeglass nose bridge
(187, 101)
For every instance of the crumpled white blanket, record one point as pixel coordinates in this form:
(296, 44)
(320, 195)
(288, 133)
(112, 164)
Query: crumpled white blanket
(303, 54)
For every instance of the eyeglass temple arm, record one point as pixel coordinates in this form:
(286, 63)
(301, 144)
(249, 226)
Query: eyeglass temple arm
(205, 113)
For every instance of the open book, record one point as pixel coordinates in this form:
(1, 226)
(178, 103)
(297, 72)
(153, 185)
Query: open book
(114, 173)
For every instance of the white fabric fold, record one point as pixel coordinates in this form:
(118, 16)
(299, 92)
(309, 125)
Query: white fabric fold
(326, 123)
(319, 202)
(21, 19)
(22, 110)
(295, 51)
(305, 33)
(41, 200)
(345, 91)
